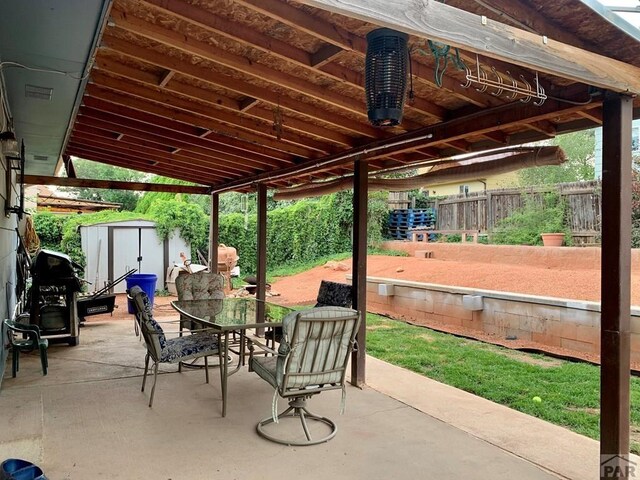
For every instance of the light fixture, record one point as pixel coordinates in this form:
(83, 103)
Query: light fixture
(10, 147)
(386, 76)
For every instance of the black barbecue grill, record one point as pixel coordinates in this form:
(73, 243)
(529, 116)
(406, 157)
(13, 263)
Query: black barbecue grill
(52, 299)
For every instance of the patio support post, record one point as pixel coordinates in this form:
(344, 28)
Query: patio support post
(616, 277)
(214, 232)
(359, 266)
(261, 268)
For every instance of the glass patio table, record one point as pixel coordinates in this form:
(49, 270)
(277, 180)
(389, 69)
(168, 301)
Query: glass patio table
(228, 315)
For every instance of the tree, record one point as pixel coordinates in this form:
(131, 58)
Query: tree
(149, 198)
(579, 149)
(100, 171)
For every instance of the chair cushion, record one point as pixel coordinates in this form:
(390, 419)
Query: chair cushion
(266, 367)
(200, 286)
(329, 343)
(334, 294)
(189, 346)
(144, 308)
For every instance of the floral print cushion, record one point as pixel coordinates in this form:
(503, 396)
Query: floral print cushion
(144, 308)
(189, 346)
(200, 286)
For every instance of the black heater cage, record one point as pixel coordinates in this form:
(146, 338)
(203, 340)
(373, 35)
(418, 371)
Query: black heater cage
(386, 76)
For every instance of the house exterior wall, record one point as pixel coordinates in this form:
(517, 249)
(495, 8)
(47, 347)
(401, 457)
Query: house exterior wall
(8, 244)
(496, 181)
(635, 146)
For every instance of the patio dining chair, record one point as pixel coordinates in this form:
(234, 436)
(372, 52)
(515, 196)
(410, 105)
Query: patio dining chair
(312, 358)
(24, 337)
(199, 286)
(330, 294)
(160, 349)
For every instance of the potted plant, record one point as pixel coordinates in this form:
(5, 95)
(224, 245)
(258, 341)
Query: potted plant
(540, 219)
(553, 228)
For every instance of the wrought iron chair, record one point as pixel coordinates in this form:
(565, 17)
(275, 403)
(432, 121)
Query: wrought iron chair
(24, 337)
(161, 349)
(312, 358)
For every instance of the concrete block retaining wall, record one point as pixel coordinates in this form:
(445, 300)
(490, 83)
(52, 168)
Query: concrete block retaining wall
(550, 321)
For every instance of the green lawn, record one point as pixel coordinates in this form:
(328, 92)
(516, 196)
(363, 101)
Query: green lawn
(569, 390)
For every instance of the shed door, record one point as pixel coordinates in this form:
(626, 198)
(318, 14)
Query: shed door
(130, 243)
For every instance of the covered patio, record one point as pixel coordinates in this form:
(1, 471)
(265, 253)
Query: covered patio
(249, 95)
(87, 418)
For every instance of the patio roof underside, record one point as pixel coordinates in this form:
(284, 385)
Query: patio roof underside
(223, 92)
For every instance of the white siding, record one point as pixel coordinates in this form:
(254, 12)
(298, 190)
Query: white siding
(635, 142)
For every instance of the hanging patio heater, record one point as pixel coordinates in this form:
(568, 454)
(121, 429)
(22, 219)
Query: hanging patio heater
(386, 76)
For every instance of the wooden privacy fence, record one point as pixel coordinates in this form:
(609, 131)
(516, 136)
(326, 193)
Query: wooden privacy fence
(484, 210)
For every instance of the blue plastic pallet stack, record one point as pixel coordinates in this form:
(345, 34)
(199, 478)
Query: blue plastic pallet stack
(400, 221)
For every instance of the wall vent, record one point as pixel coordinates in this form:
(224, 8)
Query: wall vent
(39, 93)
(41, 158)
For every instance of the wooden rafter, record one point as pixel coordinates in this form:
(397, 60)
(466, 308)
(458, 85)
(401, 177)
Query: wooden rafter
(114, 185)
(492, 39)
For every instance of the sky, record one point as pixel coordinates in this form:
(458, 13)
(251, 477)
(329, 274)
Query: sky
(631, 17)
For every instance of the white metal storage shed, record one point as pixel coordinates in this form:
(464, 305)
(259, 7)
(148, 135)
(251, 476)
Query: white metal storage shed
(111, 249)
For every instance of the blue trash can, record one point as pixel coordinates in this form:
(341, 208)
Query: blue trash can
(18, 469)
(146, 281)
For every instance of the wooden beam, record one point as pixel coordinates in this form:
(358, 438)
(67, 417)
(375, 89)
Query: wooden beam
(615, 318)
(92, 137)
(149, 105)
(248, 103)
(594, 114)
(114, 185)
(325, 54)
(163, 136)
(220, 110)
(497, 137)
(177, 40)
(209, 21)
(359, 268)
(475, 124)
(317, 27)
(214, 233)
(178, 131)
(168, 75)
(458, 28)
(546, 127)
(261, 267)
(143, 164)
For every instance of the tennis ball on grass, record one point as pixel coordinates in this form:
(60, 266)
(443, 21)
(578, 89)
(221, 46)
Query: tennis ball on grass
(537, 399)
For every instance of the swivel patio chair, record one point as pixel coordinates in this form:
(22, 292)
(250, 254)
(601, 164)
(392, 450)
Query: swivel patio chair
(24, 337)
(312, 358)
(161, 349)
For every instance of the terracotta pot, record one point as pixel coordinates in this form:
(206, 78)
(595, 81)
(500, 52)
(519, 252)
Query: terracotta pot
(552, 239)
(227, 256)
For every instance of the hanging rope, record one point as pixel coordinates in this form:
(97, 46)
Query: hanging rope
(31, 239)
(442, 54)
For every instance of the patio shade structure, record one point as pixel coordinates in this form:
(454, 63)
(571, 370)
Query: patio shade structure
(246, 94)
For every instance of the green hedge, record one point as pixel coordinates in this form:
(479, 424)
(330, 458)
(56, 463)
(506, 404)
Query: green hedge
(304, 231)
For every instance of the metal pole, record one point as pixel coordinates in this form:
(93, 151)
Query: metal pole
(360, 186)
(616, 286)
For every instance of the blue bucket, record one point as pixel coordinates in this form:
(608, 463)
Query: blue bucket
(146, 281)
(17, 469)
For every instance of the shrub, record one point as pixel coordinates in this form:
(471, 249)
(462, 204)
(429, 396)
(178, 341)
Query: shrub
(540, 214)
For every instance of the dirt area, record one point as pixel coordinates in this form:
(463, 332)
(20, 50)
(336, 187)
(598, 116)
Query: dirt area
(579, 283)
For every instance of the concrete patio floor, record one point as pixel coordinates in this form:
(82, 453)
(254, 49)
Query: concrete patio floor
(88, 419)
